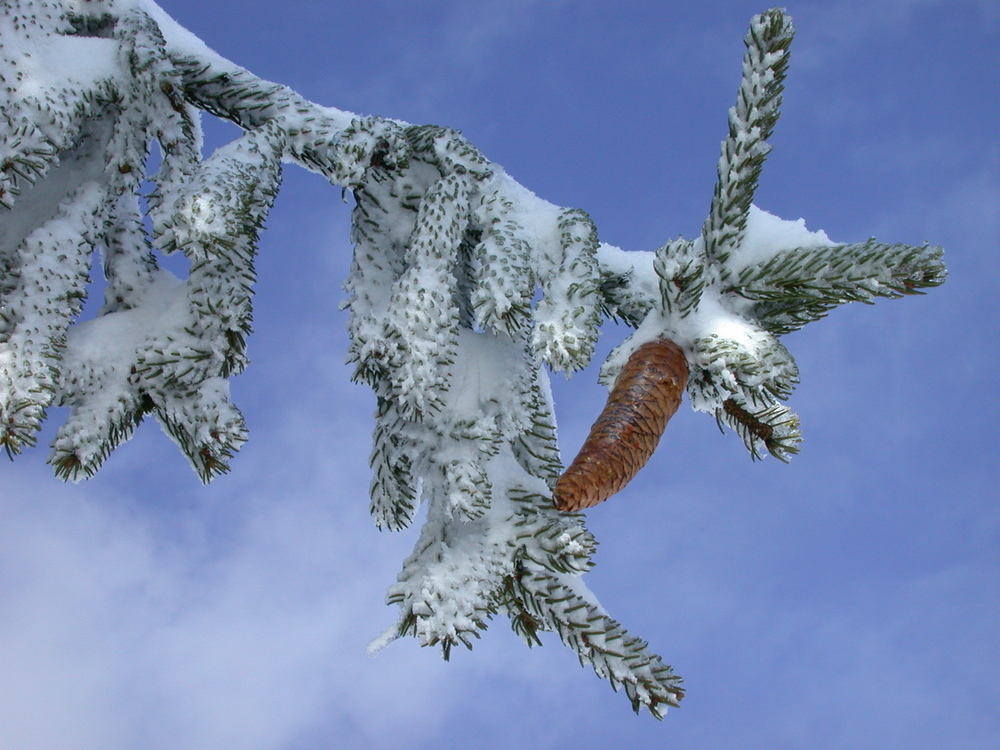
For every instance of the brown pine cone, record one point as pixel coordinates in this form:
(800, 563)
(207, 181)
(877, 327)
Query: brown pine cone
(645, 396)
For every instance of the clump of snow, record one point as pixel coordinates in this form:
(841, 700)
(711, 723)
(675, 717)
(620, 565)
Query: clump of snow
(716, 315)
(767, 235)
(111, 341)
(537, 218)
(624, 263)
(46, 62)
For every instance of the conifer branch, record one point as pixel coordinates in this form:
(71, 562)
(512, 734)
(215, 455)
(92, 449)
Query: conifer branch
(567, 317)
(751, 122)
(614, 654)
(681, 266)
(445, 327)
(723, 303)
(798, 286)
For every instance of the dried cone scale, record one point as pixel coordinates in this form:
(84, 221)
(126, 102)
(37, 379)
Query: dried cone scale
(645, 396)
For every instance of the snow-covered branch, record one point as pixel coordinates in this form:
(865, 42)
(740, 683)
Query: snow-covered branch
(464, 288)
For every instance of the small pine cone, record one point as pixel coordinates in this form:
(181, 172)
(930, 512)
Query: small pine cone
(645, 396)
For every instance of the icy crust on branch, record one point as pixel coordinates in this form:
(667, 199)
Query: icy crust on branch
(726, 296)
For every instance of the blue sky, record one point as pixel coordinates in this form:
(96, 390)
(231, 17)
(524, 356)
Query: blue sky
(847, 600)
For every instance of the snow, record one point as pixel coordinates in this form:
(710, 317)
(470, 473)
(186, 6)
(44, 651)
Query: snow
(112, 340)
(717, 315)
(766, 235)
(48, 62)
(624, 263)
(714, 318)
(183, 43)
(180, 40)
(538, 219)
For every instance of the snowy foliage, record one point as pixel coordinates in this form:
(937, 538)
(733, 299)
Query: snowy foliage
(464, 288)
(726, 296)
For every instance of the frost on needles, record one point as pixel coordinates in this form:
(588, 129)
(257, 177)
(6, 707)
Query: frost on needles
(450, 256)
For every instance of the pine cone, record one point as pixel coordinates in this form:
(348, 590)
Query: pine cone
(645, 396)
